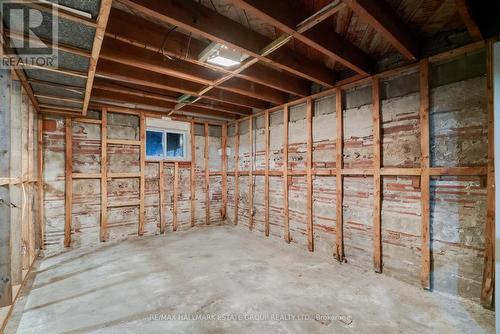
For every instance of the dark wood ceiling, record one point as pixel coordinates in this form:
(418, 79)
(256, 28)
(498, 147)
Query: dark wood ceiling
(149, 56)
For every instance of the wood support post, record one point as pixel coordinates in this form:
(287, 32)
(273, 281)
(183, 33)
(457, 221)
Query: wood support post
(236, 173)
(425, 178)
(250, 175)
(339, 244)
(266, 175)
(104, 175)
(176, 195)
(377, 197)
(40, 184)
(488, 285)
(285, 175)
(309, 176)
(207, 178)
(142, 212)
(68, 182)
(161, 189)
(193, 176)
(224, 171)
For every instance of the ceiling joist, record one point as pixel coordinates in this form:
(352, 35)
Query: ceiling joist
(102, 21)
(139, 32)
(118, 51)
(200, 20)
(129, 74)
(468, 19)
(380, 16)
(308, 32)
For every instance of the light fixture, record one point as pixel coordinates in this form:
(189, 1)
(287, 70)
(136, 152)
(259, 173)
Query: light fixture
(221, 55)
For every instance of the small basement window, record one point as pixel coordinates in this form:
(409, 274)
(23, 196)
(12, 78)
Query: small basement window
(167, 140)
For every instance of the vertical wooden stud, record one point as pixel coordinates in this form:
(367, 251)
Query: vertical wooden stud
(176, 194)
(425, 164)
(250, 176)
(377, 228)
(207, 177)
(286, 214)
(224, 171)
(339, 160)
(143, 178)
(309, 176)
(40, 185)
(104, 175)
(31, 176)
(193, 176)
(236, 173)
(161, 189)
(68, 182)
(488, 285)
(266, 180)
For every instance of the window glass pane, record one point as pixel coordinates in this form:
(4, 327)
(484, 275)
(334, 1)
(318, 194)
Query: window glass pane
(175, 145)
(154, 144)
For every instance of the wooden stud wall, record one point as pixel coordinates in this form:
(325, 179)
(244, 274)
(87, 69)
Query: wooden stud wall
(377, 197)
(309, 120)
(377, 171)
(104, 176)
(161, 190)
(286, 113)
(266, 176)
(207, 178)
(425, 176)
(236, 173)
(425, 172)
(339, 158)
(224, 171)
(31, 222)
(488, 286)
(69, 184)
(250, 178)
(193, 176)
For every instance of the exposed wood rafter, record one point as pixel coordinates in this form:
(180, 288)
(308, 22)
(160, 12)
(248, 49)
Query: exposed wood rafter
(327, 42)
(102, 21)
(386, 22)
(219, 28)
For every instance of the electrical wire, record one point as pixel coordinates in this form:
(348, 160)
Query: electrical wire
(162, 50)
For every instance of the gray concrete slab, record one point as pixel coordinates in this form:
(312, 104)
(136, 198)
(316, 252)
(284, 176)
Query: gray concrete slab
(142, 285)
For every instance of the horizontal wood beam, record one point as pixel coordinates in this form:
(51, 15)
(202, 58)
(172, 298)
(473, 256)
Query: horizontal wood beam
(221, 29)
(147, 101)
(380, 16)
(102, 85)
(142, 33)
(126, 54)
(129, 74)
(121, 52)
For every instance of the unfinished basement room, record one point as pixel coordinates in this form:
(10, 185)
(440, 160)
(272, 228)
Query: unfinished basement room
(249, 166)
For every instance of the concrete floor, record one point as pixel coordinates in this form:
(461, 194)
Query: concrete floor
(140, 285)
